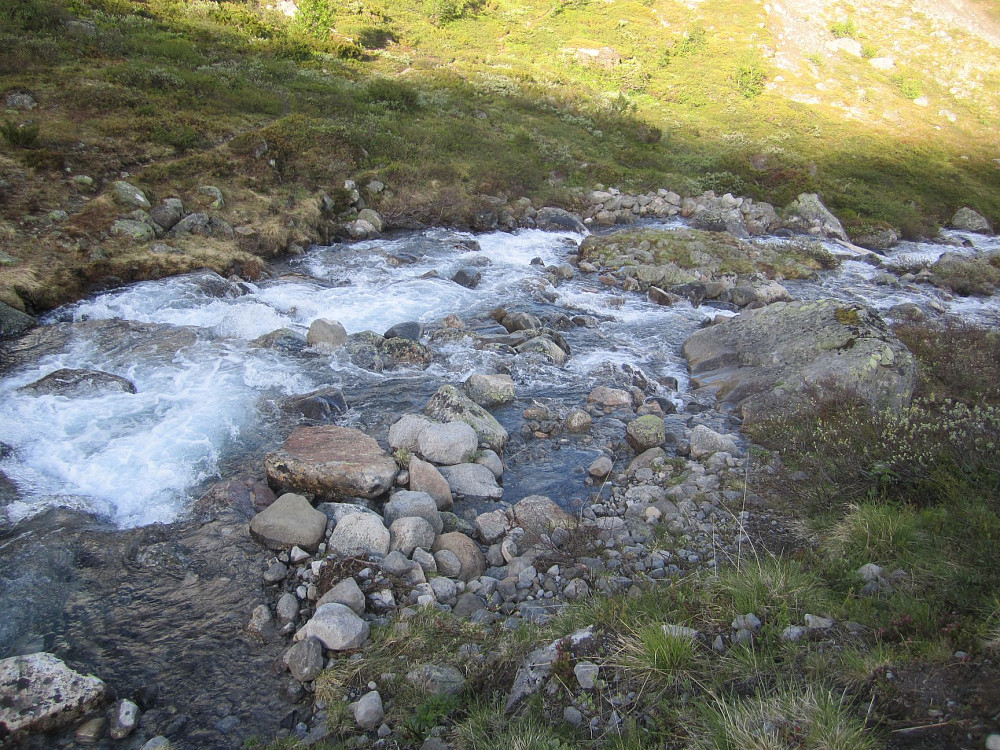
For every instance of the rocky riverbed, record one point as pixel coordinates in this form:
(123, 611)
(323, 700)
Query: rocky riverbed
(212, 487)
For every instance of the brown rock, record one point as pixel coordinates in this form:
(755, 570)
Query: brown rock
(468, 553)
(331, 462)
(424, 477)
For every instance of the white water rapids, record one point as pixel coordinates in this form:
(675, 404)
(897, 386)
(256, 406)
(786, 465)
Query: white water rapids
(141, 458)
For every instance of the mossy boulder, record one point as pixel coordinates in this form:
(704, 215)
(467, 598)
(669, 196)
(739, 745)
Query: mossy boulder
(764, 361)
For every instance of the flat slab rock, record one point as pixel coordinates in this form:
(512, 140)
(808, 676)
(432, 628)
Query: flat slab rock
(763, 360)
(290, 521)
(331, 462)
(41, 694)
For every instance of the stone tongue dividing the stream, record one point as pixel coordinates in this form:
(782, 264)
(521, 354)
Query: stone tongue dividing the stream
(762, 360)
(331, 462)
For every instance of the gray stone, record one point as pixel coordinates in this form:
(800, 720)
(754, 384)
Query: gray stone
(537, 666)
(367, 710)
(305, 659)
(159, 742)
(546, 347)
(447, 563)
(586, 674)
(428, 564)
(373, 217)
(765, 360)
(817, 622)
(747, 622)
(405, 433)
(491, 461)
(576, 589)
(406, 503)
(137, 231)
(409, 533)
(124, 719)
(166, 214)
(79, 384)
(558, 220)
(338, 511)
(326, 333)
(572, 716)
(436, 679)
(648, 431)
(472, 480)
(289, 521)
(129, 195)
(331, 462)
(218, 201)
(287, 608)
(613, 397)
(808, 215)
(538, 514)
(196, 223)
(42, 694)
(20, 101)
(346, 592)
(705, 442)
(679, 631)
(794, 633)
(468, 604)
(578, 421)
(467, 277)
(490, 391)
(451, 405)
(410, 330)
(261, 623)
(492, 526)
(968, 220)
(448, 444)
(444, 589)
(601, 467)
(359, 534)
(13, 322)
(470, 557)
(337, 626)
(91, 731)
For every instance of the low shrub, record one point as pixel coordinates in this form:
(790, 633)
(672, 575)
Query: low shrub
(19, 135)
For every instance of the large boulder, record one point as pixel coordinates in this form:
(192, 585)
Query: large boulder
(451, 405)
(807, 215)
(405, 434)
(969, 220)
(447, 444)
(79, 384)
(40, 694)
(330, 462)
(763, 360)
(129, 195)
(328, 334)
(290, 521)
(648, 431)
(558, 220)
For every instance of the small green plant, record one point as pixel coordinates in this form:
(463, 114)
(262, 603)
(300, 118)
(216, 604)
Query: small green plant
(429, 714)
(749, 76)
(844, 29)
(402, 457)
(868, 50)
(908, 86)
(19, 136)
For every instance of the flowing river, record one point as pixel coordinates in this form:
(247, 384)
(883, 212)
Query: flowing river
(99, 561)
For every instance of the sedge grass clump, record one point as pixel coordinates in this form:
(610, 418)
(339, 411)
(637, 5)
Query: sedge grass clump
(655, 657)
(787, 717)
(773, 588)
(887, 533)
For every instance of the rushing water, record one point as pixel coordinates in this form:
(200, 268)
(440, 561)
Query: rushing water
(168, 603)
(206, 401)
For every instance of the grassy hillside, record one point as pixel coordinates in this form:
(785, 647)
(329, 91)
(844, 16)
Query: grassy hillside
(889, 117)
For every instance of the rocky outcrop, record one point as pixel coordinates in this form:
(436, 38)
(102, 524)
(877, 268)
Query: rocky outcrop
(763, 360)
(558, 220)
(13, 322)
(331, 462)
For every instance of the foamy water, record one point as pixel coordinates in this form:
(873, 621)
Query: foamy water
(141, 458)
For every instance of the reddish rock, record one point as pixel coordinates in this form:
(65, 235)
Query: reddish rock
(331, 462)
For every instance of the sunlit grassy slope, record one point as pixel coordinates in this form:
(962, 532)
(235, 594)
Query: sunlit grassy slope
(889, 114)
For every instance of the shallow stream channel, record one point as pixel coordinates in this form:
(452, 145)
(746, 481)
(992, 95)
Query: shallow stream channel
(105, 559)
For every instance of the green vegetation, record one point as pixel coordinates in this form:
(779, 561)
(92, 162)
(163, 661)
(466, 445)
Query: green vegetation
(19, 136)
(276, 111)
(844, 29)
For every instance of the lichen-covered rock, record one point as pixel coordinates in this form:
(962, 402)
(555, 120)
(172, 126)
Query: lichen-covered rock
(558, 220)
(490, 391)
(451, 405)
(337, 627)
(539, 514)
(137, 231)
(646, 432)
(129, 195)
(808, 215)
(969, 220)
(331, 462)
(763, 360)
(40, 694)
(13, 322)
(377, 353)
